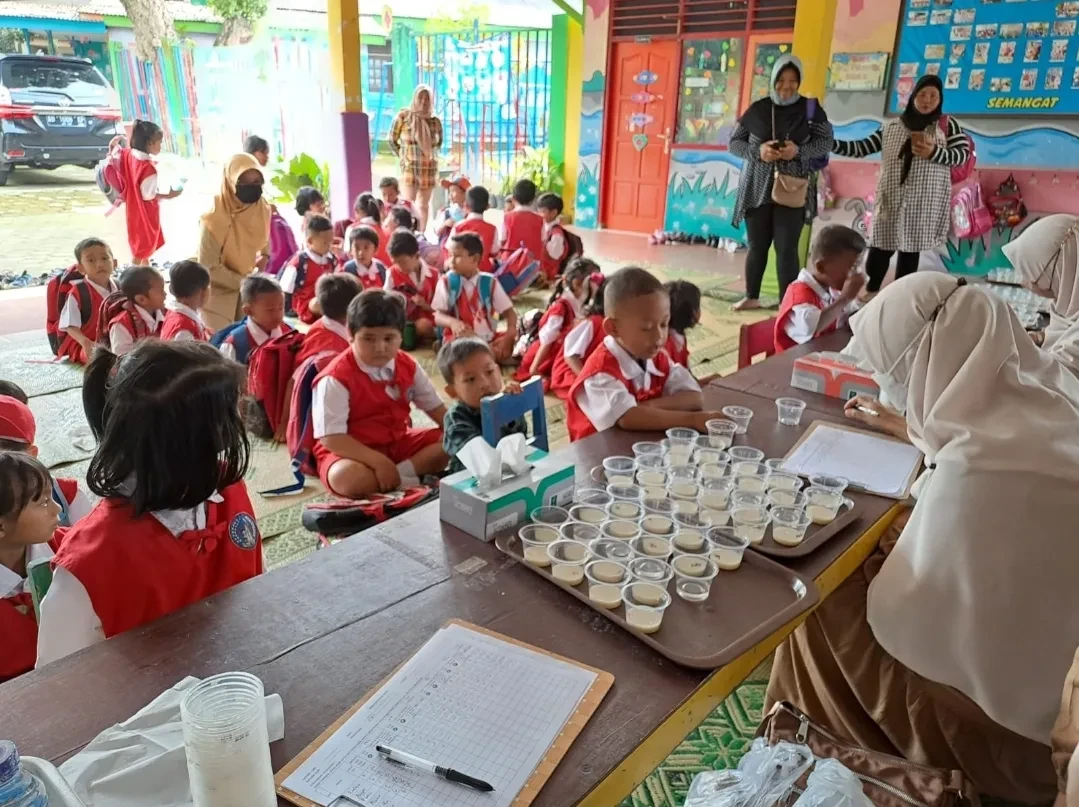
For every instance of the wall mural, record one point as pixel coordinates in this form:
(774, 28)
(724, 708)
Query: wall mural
(586, 206)
(701, 191)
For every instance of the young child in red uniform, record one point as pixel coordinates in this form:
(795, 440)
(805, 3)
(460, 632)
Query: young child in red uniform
(189, 284)
(522, 226)
(579, 343)
(817, 301)
(556, 245)
(414, 280)
(174, 524)
(390, 189)
(78, 323)
(630, 381)
(264, 318)
(467, 300)
(28, 519)
(564, 309)
(361, 407)
(685, 314)
(143, 310)
(141, 194)
(300, 275)
(456, 187)
(477, 199)
(364, 266)
(310, 201)
(366, 212)
(330, 334)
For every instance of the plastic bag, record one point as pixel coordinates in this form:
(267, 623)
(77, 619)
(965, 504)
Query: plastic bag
(764, 777)
(833, 784)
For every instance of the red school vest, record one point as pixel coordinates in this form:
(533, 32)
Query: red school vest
(468, 307)
(136, 571)
(559, 308)
(374, 418)
(18, 628)
(552, 266)
(603, 361)
(367, 279)
(132, 322)
(319, 340)
(177, 322)
(403, 284)
(679, 355)
(486, 231)
(144, 234)
(523, 226)
(90, 328)
(304, 292)
(798, 293)
(562, 375)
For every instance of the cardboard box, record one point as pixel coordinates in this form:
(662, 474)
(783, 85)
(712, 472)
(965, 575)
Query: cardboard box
(485, 514)
(833, 374)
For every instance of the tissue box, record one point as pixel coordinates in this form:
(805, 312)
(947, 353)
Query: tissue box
(832, 374)
(485, 514)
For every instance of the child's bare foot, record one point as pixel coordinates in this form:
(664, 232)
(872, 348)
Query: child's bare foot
(746, 304)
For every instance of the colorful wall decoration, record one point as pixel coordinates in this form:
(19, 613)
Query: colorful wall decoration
(586, 208)
(701, 191)
(858, 71)
(865, 26)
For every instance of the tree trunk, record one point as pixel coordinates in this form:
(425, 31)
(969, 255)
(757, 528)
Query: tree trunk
(234, 31)
(152, 24)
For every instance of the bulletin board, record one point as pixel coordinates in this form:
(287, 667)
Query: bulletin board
(1011, 57)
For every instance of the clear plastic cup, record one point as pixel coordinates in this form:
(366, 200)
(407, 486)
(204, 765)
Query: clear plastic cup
(709, 456)
(625, 493)
(590, 513)
(624, 509)
(713, 470)
(745, 454)
(789, 411)
(620, 529)
(656, 492)
(747, 498)
(549, 515)
(611, 549)
(645, 604)
(682, 489)
(836, 484)
(693, 575)
(722, 430)
(659, 505)
(779, 479)
(751, 476)
(568, 559)
(679, 452)
(657, 462)
(648, 477)
(651, 546)
(579, 532)
(775, 463)
(728, 547)
(647, 448)
(782, 497)
(822, 504)
(685, 499)
(591, 495)
(651, 570)
(605, 580)
(657, 524)
(686, 539)
(708, 441)
(740, 415)
(681, 434)
(692, 521)
(789, 525)
(684, 473)
(714, 500)
(750, 523)
(535, 538)
(711, 450)
(619, 470)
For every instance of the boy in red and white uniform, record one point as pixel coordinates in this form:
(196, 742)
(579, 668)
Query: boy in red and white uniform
(264, 318)
(364, 266)
(189, 284)
(556, 246)
(522, 226)
(329, 336)
(414, 281)
(143, 313)
(78, 323)
(467, 299)
(300, 276)
(456, 187)
(818, 301)
(478, 200)
(361, 407)
(629, 381)
(390, 190)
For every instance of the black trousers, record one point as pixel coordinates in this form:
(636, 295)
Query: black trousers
(765, 225)
(876, 265)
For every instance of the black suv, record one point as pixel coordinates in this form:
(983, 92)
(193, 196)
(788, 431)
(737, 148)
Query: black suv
(54, 110)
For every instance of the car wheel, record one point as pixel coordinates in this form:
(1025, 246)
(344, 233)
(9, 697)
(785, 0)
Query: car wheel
(5, 172)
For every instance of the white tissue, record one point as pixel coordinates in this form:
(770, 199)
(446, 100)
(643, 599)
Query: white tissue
(144, 756)
(486, 464)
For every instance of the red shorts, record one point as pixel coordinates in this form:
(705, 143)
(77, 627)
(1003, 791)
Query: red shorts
(414, 441)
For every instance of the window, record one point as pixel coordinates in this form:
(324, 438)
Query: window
(379, 69)
(708, 96)
(30, 73)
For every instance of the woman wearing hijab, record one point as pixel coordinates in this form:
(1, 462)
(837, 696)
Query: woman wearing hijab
(416, 137)
(913, 206)
(778, 138)
(235, 238)
(951, 645)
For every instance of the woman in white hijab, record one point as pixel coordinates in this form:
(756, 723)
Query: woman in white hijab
(950, 647)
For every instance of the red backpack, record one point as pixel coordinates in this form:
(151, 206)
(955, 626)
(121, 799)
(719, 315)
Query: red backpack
(57, 291)
(269, 370)
(517, 271)
(113, 306)
(300, 434)
(963, 170)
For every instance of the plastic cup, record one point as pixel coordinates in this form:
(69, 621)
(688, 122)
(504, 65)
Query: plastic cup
(722, 431)
(645, 603)
(785, 481)
(652, 477)
(709, 441)
(740, 415)
(535, 538)
(623, 509)
(605, 580)
(775, 463)
(657, 524)
(656, 462)
(782, 497)
(751, 476)
(685, 499)
(822, 504)
(647, 448)
(688, 540)
(619, 470)
(714, 500)
(836, 484)
(693, 576)
(789, 525)
(591, 495)
(745, 454)
(651, 546)
(568, 559)
(711, 450)
(680, 434)
(708, 456)
(549, 515)
(728, 547)
(712, 470)
(789, 411)
(692, 521)
(750, 523)
(679, 452)
(579, 532)
(625, 493)
(656, 492)
(659, 505)
(611, 549)
(650, 570)
(620, 530)
(589, 513)
(747, 498)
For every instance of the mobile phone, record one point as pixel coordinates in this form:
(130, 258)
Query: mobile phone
(781, 144)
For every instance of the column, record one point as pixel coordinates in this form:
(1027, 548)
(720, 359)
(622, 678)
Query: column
(350, 163)
(814, 22)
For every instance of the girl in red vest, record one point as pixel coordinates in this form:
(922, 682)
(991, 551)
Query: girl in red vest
(578, 344)
(174, 524)
(685, 314)
(28, 520)
(141, 192)
(189, 282)
(139, 313)
(564, 309)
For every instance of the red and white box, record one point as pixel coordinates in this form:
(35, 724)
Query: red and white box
(833, 374)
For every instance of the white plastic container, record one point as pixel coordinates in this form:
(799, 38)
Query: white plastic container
(59, 791)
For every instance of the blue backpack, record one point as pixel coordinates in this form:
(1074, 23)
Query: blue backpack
(241, 339)
(485, 285)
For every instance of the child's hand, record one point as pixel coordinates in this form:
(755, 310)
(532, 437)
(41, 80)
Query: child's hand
(386, 474)
(461, 329)
(511, 388)
(853, 284)
(279, 436)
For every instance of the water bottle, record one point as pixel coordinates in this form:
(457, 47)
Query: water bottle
(18, 787)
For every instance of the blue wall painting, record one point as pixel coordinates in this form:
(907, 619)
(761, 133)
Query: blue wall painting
(586, 208)
(701, 192)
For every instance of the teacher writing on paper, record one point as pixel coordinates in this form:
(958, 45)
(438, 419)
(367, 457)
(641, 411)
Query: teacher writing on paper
(950, 646)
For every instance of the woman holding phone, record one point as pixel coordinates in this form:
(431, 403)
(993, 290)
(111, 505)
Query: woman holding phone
(912, 211)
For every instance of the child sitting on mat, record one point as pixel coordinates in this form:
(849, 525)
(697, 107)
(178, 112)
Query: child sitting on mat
(580, 343)
(78, 322)
(189, 284)
(264, 318)
(363, 246)
(564, 309)
(330, 333)
(142, 314)
(414, 281)
(300, 275)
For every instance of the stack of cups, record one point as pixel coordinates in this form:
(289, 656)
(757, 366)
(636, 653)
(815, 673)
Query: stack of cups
(225, 737)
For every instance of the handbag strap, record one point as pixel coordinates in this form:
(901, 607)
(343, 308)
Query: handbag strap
(773, 105)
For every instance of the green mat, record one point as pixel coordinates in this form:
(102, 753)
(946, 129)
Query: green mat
(63, 435)
(27, 361)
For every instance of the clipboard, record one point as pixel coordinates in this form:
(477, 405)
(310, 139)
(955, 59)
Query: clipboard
(911, 477)
(573, 726)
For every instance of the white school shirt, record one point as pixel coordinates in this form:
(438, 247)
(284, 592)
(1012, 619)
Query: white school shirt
(604, 398)
(148, 188)
(801, 324)
(578, 340)
(550, 330)
(68, 621)
(71, 316)
(288, 274)
(190, 313)
(258, 336)
(482, 325)
(556, 245)
(330, 399)
(333, 326)
(417, 278)
(79, 507)
(120, 339)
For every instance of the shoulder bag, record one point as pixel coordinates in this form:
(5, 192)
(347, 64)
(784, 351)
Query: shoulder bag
(787, 191)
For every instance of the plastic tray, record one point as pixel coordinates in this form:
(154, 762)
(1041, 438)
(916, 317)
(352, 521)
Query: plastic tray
(743, 608)
(816, 535)
(59, 791)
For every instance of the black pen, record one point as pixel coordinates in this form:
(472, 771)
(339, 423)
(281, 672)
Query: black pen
(449, 774)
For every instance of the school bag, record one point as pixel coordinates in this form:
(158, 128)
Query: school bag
(349, 516)
(300, 434)
(241, 339)
(517, 271)
(109, 176)
(57, 291)
(113, 306)
(970, 216)
(269, 370)
(1007, 204)
(485, 285)
(964, 170)
(301, 276)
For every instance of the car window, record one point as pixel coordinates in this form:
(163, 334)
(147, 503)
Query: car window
(22, 74)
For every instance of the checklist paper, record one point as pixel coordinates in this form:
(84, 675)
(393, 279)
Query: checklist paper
(880, 465)
(465, 700)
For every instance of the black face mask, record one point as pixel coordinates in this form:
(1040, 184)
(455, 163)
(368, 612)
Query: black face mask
(249, 194)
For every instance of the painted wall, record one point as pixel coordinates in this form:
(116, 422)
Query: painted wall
(586, 208)
(701, 191)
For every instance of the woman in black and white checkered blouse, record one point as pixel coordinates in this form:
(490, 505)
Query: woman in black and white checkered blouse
(912, 210)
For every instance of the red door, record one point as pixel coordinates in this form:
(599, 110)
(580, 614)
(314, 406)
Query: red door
(642, 98)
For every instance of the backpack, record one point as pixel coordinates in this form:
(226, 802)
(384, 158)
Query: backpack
(109, 176)
(817, 163)
(349, 516)
(56, 293)
(269, 371)
(241, 339)
(970, 217)
(485, 286)
(300, 434)
(517, 271)
(1006, 204)
(964, 170)
(301, 276)
(114, 305)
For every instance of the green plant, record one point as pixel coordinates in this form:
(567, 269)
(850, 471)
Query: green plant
(250, 10)
(537, 165)
(11, 40)
(300, 171)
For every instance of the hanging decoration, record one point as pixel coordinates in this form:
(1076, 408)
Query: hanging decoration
(640, 141)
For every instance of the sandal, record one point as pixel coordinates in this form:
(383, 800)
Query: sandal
(746, 304)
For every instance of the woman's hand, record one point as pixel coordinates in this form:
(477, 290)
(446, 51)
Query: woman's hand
(885, 419)
(788, 152)
(260, 263)
(769, 152)
(923, 147)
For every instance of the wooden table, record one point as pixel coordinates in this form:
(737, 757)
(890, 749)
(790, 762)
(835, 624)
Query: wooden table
(325, 630)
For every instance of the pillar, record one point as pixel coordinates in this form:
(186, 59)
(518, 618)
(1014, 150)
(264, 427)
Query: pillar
(350, 162)
(814, 22)
(574, 88)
